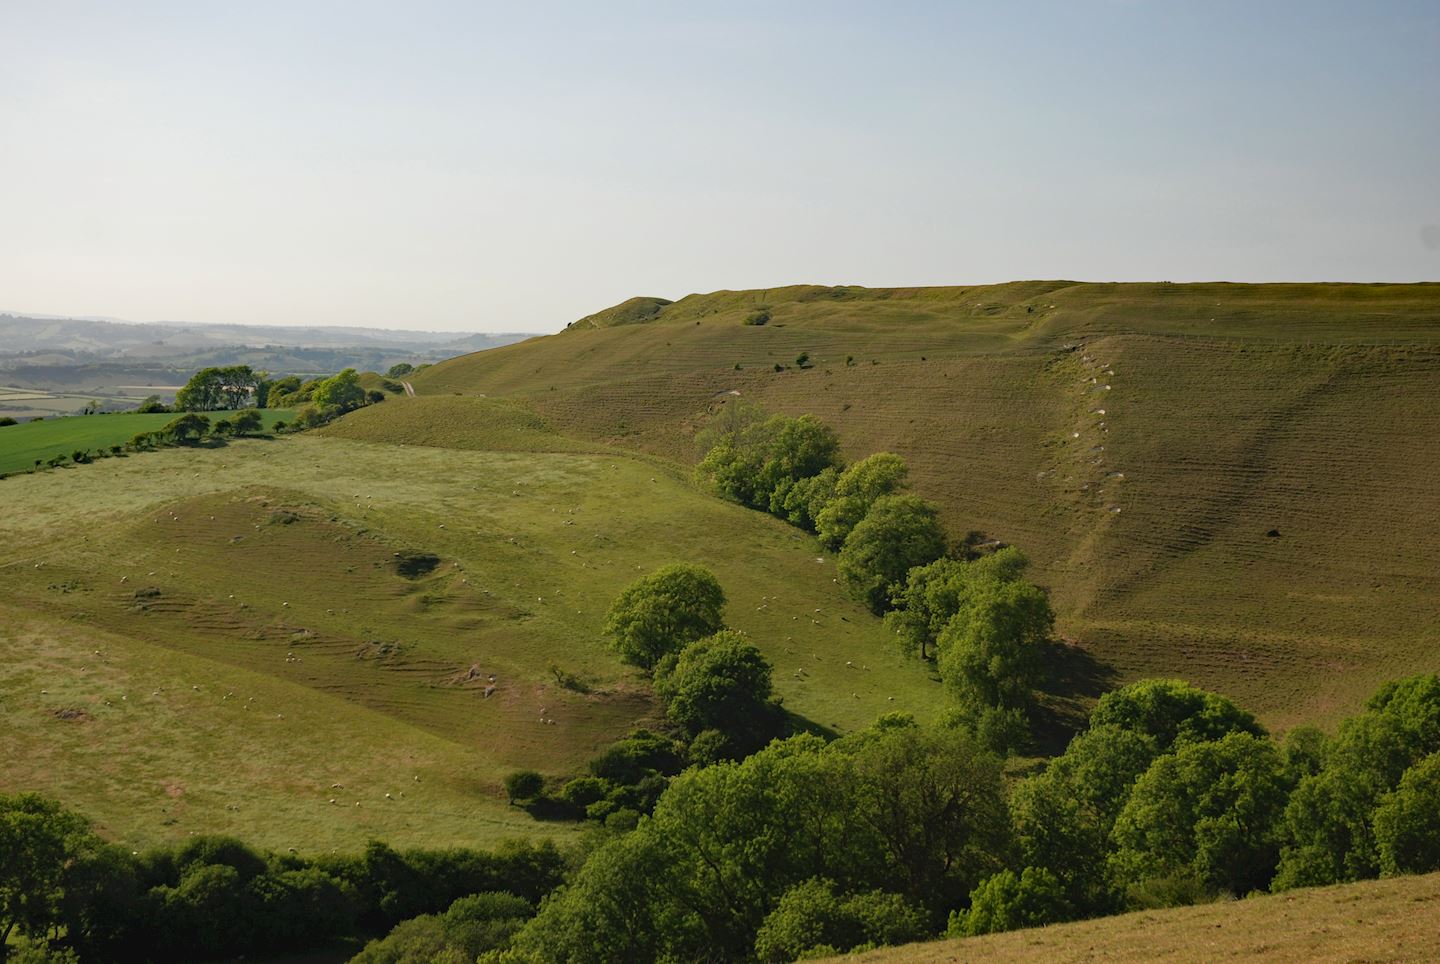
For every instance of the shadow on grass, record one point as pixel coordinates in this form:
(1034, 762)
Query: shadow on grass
(1077, 680)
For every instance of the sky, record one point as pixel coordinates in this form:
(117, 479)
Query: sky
(512, 167)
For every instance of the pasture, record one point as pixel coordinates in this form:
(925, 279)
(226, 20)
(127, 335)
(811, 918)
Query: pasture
(1138, 442)
(23, 445)
(221, 640)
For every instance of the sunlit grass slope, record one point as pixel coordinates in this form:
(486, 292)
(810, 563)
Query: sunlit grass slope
(1139, 442)
(1378, 920)
(202, 640)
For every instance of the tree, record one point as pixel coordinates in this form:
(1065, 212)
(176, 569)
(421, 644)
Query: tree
(39, 840)
(720, 682)
(856, 490)
(933, 594)
(899, 533)
(7, 420)
(470, 927)
(1063, 817)
(1407, 822)
(1329, 822)
(399, 369)
(1172, 711)
(756, 462)
(663, 612)
(522, 785)
(991, 653)
(1006, 902)
(281, 390)
(185, 429)
(802, 500)
(152, 403)
(341, 390)
(1209, 811)
(247, 422)
(812, 917)
(214, 388)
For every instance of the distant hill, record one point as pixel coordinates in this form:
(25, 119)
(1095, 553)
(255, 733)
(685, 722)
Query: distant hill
(1229, 483)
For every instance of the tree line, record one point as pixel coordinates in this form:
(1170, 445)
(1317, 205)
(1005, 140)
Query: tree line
(986, 627)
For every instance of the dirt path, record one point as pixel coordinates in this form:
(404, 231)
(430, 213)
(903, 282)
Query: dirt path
(409, 389)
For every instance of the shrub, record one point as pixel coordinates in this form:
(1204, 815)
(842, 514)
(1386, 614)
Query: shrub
(1006, 902)
(523, 785)
(760, 316)
(7, 420)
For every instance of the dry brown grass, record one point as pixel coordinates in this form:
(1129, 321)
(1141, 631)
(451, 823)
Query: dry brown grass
(1383, 920)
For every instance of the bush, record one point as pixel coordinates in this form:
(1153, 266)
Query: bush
(7, 420)
(663, 612)
(758, 317)
(1006, 902)
(523, 785)
(813, 919)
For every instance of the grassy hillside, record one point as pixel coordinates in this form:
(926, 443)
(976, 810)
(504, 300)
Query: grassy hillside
(21, 445)
(1379, 920)
(1138, 441)
(204, 640)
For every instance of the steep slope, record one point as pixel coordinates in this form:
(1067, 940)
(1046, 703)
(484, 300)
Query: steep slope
(1140, 442)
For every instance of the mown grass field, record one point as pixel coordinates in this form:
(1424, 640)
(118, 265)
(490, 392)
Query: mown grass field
(1379, 920)
(21, 446)
(213, 639)
(1139, 442)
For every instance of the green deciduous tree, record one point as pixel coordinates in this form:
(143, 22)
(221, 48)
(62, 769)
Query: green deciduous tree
(185, 429)
(665, 611)
(933, 594)
(1407, 822)
(39, 842)
(212, 389)
(1170, 711)
(721, 682)
(856, 490)
(342, 390)
(814, 917)
(1210, 811)
(899, 533)
(1007, 902)
(991, 653)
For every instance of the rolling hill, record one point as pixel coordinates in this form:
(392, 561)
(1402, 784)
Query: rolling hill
(291, 639)
(1230, 483)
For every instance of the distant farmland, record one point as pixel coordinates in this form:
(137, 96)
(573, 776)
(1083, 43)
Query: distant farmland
(22, 445)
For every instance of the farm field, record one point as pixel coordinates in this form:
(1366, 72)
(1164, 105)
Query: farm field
(203, 640)
(21, 446)
(1380, 920)
(20, 402)
(1141, 443)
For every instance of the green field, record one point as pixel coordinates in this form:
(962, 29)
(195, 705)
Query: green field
(1378, 920)
(1138, 441)
(141, 591)
(21, 446)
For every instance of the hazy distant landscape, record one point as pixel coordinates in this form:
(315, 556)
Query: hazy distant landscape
(55, 365)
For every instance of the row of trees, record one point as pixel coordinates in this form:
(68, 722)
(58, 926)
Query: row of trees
(1172, 795)
(214, 897)
(219, 388)
(987, 627)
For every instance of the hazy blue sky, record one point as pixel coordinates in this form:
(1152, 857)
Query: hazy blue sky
(514, 166)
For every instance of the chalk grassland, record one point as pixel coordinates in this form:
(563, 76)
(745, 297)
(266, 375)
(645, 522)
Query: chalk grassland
(1137, 441)
(1379, 920)
(21, 445)
(199, 640)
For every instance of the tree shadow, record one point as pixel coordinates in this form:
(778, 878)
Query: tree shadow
(1077, 680)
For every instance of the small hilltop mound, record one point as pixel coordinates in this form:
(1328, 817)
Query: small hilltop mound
(634, 311)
